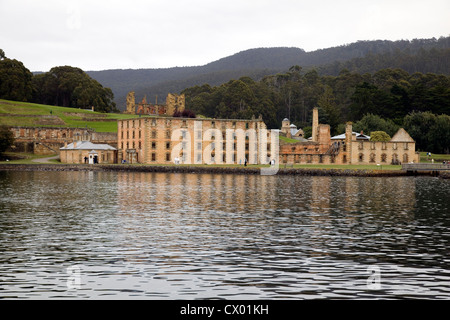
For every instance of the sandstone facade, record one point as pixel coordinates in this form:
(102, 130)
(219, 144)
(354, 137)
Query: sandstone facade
(174, 102)
(349, 149)
(165, 140)
(47, 140)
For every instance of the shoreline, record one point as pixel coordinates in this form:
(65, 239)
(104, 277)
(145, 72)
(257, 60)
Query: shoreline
(216, 170)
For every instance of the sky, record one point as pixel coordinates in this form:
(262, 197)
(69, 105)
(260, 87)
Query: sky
(135, 34)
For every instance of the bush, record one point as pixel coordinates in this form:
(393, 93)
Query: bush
(6, 138)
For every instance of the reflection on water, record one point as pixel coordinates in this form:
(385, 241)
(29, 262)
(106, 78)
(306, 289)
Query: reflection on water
(195, 236)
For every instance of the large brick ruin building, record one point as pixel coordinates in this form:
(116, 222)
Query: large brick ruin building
(164, 140)
(349, 148)
(174, 102)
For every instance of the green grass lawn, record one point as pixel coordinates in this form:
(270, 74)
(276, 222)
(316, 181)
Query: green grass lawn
(436, 157)
(13, 113)
(287, 140)
(22, 158)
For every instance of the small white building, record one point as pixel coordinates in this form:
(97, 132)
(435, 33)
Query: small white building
(86, 152)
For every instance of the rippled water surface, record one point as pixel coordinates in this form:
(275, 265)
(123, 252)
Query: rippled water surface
(195, 236)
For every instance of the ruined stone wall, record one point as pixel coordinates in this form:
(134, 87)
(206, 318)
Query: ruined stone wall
(159, 140)
(47, 141)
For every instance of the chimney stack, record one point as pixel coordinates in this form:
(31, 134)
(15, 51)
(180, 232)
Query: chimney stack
(315, 125)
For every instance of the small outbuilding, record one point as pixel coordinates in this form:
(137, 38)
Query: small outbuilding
(86, 152)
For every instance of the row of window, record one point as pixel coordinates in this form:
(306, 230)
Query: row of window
(383, 158)
(138, 123)
(168, 135)
(383, 146)
(168, 145)
(372, 158)
(199, 157)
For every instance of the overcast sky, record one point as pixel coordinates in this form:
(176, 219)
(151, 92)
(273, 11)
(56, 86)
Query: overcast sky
(112, 34)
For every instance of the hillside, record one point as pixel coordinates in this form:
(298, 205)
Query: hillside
(14, 113)
(256, 63)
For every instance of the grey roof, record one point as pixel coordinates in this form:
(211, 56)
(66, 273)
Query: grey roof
(358, 136)
(87, 145)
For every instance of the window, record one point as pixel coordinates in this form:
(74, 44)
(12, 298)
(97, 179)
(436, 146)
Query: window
(168, 145)
(406, 146)
(153, 145)
(168, 135)
(405, 158)
(383, 157)
(154, 134)
(153, 156)
(361, 157)
(167, 156)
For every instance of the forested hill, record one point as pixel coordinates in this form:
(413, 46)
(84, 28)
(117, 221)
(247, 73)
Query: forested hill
(419, 55)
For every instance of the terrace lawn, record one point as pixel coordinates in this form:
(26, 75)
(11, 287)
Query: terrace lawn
(13, 113)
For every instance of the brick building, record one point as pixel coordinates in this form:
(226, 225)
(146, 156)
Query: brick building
(164, 140)
(86, 152)
(348, 148)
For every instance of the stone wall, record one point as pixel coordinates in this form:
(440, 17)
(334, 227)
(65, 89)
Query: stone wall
(48, 140)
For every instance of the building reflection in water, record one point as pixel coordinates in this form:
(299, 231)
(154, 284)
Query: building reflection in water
(210, 209)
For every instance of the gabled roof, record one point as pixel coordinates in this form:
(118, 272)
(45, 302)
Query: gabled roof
(87, 145)
(402, 136)
(359, 136)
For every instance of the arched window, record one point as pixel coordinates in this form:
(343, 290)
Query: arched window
(405, 158)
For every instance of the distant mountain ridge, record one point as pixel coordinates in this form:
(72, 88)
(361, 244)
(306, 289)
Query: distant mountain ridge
(259, 62)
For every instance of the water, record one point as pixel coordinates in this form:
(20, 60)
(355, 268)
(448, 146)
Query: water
(97, 235)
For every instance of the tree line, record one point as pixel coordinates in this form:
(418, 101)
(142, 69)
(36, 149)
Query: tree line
(62, 86)
(392, 95)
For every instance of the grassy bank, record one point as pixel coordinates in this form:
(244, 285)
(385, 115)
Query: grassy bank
(13, 113)
(34, 159)
(436, 157)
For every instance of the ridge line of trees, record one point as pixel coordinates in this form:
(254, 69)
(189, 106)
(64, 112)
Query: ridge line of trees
(63, 86)
(382, 101)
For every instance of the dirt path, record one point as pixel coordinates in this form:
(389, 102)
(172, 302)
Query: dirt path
(45, 160)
